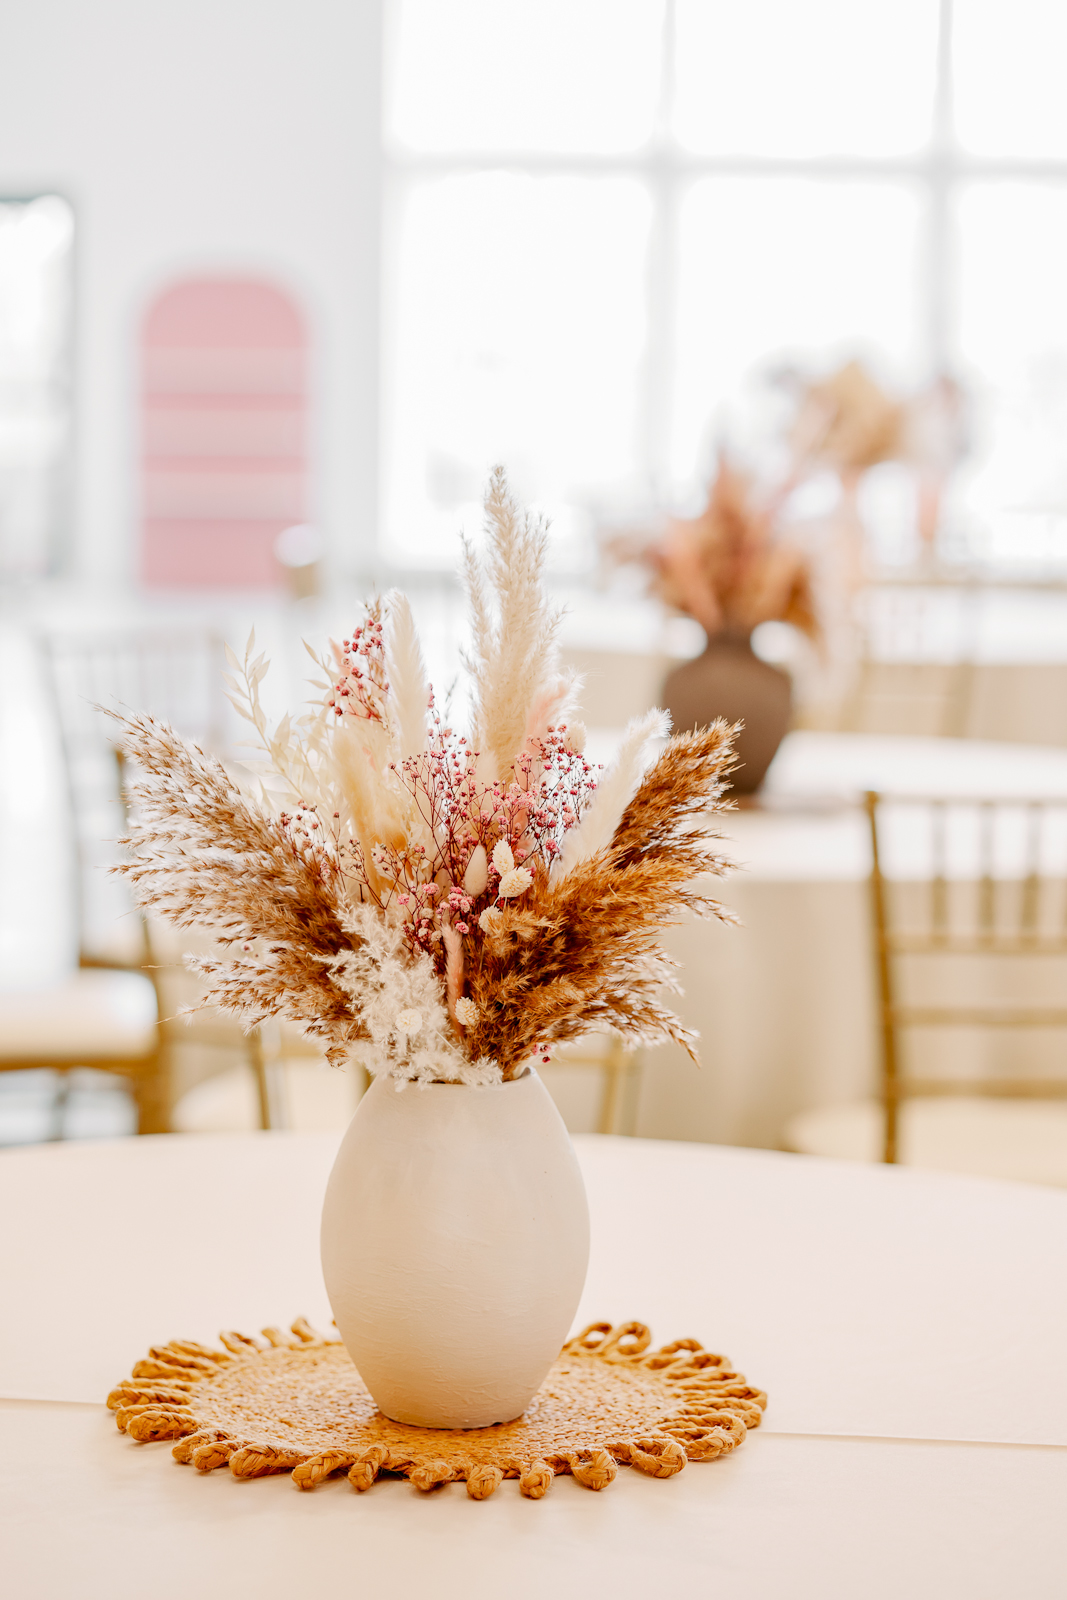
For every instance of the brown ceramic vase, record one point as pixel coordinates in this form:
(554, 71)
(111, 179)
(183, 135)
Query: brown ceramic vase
(729, 680)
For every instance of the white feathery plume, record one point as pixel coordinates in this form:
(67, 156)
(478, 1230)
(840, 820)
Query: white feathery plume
(373, 809)
(513, 651)
(409, 688)
(614, 793)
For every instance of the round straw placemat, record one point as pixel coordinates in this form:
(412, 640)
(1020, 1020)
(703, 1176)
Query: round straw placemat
(295, 1403)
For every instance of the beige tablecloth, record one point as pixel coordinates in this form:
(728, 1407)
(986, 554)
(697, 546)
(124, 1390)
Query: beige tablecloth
(908, 1328)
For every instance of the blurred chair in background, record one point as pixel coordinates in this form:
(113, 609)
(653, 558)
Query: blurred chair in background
(290, 1088)
(961, 655)
(213, 1076)
(104, 1021)
(987, 916)
(594, 1083)
(116, 1013)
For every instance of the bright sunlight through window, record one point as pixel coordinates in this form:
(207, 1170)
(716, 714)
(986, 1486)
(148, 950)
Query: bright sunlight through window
(609, 219)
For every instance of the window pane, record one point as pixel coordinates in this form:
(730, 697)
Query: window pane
(36, 253)
(1012, 339)
(580, 75)
(779, 270)
(519, 325)
(1008, 64)
(805, 77)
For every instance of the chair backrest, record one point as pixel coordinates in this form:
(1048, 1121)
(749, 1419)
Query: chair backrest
(594, 1083)
(175, 675)
(961, 889)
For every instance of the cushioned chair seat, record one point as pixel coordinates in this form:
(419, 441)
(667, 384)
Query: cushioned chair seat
(92, 1015)
(311, 1098)
(1020, 1139)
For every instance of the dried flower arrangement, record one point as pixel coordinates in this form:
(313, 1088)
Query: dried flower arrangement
(845, 421)
(447, 907)
(729, 567)
(848, 423)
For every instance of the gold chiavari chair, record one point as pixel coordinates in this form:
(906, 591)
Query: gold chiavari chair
(970, 942)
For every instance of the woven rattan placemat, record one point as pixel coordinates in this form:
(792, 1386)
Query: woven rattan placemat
(297, 1404)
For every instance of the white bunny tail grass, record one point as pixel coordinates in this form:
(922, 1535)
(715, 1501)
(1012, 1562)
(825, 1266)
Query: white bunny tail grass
(616, 789)
(407, 675)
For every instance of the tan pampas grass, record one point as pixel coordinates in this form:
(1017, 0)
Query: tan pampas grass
(445, 907)
(209, 858)
(287, 983)
(513, 657)
(669, 812)
(203, 856)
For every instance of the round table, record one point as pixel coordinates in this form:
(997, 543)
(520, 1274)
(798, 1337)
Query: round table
(908, 1328)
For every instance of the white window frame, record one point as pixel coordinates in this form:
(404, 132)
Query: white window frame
(57, 540)
(937, 174)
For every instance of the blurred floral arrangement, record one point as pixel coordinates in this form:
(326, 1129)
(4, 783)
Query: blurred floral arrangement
(729, 568)
(447, 906)
(848, 423)
(742, 562)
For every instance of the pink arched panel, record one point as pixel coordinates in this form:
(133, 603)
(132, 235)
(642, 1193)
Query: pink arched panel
(223, 428)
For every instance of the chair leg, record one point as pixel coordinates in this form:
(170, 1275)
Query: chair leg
(629, 1091)
(259, 1068)
(151, 1097)
(60, 1098)
(891, 1147)
(614, 1070)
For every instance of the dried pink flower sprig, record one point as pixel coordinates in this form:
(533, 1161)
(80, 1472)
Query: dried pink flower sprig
(447, 905)
(362, 686)
(490, 836)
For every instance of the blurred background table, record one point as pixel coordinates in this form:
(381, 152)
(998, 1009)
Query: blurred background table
(785, 1004)
(881, 1310)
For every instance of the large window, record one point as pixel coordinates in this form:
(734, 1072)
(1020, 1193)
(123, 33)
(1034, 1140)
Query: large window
(607, 217)
(36, 276)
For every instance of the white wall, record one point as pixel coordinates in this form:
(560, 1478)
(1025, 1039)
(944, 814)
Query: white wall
(206, 135)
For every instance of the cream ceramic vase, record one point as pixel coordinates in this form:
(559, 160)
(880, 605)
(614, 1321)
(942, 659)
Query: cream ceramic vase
(455, 1241)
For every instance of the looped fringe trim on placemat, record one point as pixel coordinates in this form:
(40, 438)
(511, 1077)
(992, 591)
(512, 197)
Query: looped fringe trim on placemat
(297, 1404)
